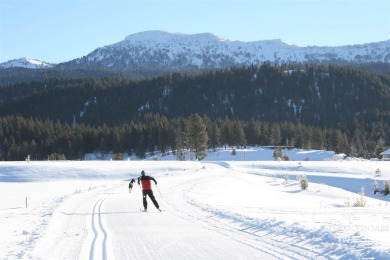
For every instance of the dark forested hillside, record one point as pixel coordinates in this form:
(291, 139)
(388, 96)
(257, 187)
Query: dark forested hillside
(326, 97)
(320, 96)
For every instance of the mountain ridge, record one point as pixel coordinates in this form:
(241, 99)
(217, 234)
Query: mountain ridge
(163, 50)
(178, 51)
(26, 63)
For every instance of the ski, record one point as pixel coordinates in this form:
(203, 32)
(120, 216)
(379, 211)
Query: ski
(159, 210)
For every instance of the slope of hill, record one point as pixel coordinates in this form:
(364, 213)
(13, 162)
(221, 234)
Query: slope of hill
(323, 96)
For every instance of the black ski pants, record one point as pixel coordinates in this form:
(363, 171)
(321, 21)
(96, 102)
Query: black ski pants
(149, 193)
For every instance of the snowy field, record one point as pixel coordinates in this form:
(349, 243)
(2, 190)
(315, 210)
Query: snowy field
(226, 207)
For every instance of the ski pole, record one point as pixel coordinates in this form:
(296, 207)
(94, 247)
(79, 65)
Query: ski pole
(159, 191)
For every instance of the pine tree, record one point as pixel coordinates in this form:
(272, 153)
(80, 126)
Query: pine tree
(215, 136)
(380, 147)
(353, 151)
(238, 134)
(275, 134)
(179, 144)
(197, 137)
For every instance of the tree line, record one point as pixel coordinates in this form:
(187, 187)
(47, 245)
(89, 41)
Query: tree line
(46, 139)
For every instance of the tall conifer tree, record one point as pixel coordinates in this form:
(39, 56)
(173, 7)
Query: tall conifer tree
(197, 137)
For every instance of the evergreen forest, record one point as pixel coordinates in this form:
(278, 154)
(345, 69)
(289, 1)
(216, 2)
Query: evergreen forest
(330, 107)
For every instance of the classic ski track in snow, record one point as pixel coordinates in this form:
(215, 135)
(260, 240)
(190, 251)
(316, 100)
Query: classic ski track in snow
(99, 232)
(95, 244)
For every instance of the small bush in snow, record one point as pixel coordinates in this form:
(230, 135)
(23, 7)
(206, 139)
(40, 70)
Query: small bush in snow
(386, 189)
(348, 203)
(118, 157)
(378, 172)
(277, 153)
(180, 156)
(303, 182)
(234, 152)
(376, 186)
(360, 202)
(286, 178)
(56, 157)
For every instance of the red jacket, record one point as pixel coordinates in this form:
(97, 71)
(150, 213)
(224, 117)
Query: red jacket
(145, 181)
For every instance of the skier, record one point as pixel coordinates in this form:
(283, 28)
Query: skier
(147, 190)
(131, 185)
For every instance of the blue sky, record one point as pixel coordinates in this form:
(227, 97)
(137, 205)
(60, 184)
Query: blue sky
(58, 30)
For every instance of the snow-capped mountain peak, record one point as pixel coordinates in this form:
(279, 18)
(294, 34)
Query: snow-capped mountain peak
(166, 37)
(26, 63)
(161, 50)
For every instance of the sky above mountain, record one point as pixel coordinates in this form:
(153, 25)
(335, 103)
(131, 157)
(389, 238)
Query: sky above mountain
(57, 31)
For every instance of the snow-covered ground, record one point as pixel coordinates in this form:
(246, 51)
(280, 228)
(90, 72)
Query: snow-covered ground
(226, 207)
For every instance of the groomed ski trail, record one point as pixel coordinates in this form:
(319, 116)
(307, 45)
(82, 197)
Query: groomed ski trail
(105, 222)
(96, 240)
(77, 229)
(156, 235)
